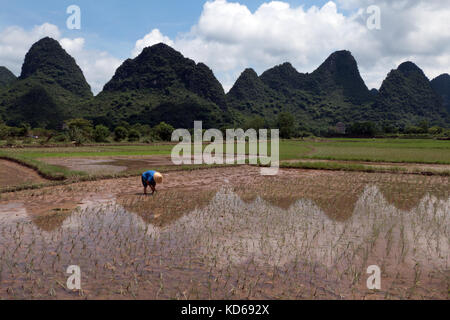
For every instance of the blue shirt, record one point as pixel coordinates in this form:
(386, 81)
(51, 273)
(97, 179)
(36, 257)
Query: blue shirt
(148, 176)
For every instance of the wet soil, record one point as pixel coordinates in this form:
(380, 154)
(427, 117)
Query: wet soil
(14, 174)
(230, 233)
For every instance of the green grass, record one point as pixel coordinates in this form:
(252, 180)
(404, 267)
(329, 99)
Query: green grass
(383, 150)
(46, 170)
(335, 166)
(380, 150)
(93, 151)
(375, 150)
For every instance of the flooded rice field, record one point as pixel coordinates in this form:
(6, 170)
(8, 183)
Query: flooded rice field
(118, 164)
(230, 233)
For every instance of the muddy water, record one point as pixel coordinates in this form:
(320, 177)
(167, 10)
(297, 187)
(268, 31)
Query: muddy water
(113, 165)
(229, 248)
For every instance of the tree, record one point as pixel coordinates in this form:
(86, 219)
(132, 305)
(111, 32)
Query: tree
(120, 133)
(367, 129)
(25, 128)
(257, 122)
(79, 130)
(286, 123)
(101, 133)
(143, 129)
(424, 125)
(164, 131)
(124, 124)
(4, 131)
(435, 130)
(133, 135)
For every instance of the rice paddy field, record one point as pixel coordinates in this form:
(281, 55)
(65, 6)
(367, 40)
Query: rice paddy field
(228, 232)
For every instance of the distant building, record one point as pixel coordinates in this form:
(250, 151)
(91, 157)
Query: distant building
(341, 128)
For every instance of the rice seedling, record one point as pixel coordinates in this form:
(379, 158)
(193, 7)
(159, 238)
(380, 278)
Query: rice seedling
(305, 235)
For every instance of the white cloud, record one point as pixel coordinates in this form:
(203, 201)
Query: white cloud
(15, 43)
(229, 37)
(72, 45)
(98, 67)
(154, 37)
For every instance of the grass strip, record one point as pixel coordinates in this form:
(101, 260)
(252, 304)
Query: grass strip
(45, 170)
(368, 159)
(334, 166)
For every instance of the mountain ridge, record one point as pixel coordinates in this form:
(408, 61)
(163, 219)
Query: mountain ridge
(441, 85)
(49, 89)
(47, 59)
(406, 93)
(6, 77)
(160, 84)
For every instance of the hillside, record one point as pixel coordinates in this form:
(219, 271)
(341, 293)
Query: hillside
(339, 75)
(48, 62)
(160, 85)
(48, 90)
(335, 92)
(6, 77)
(441, 86)
(406, 96)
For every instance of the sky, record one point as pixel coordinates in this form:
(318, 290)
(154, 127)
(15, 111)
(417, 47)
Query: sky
(230, 36)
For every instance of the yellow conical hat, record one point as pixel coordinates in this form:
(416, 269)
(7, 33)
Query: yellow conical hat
(158, 177)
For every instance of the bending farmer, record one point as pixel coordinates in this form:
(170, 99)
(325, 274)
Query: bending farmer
(151, 178)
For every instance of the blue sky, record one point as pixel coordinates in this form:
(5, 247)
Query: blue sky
(231, 35)
(115, 25)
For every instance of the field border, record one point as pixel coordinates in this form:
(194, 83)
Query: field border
(87, 178)
(353, 167)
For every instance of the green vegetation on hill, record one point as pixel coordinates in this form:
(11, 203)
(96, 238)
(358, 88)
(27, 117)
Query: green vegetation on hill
(6, 77)
(441, 85)
(339, 74)
(50, 63)
(48, 91)
(334, 93)
(406, 97)
(38, 109)
(160, 85)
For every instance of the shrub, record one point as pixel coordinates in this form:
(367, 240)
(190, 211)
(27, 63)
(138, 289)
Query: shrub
(101, 133)
(61, 138)
(257, 123)
(148, 140)
(133, 135)
(120, 133)
(79, 130)
(164, 131)
(27, 141)
(11, 143)
(286, 122)
(25, 129)
(435, 130)
(414, 130)
(365, 129)
(4, 131)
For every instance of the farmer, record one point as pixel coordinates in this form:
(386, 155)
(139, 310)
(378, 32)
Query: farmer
(151, 178)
